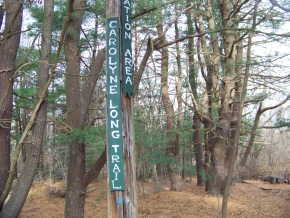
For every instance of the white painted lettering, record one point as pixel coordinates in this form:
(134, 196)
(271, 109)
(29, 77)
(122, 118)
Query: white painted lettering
(127, 2)
(115, 148)
(128, 53)
(127, 9)
(113, 79)
(116, 167)
(112, 63)
(112, 68)
(113, 89)
(115, 158)
(114, 113)
(112, 33)
(128, 80)
(113, 184)
(128, 70)
(111, 105)
(116, 176)
(114, 123)
(116, 134)
(112, 41)
(112, 51)
(113, 24)
(128, 61)
(114, 120)
(128, 35)
(128, 26)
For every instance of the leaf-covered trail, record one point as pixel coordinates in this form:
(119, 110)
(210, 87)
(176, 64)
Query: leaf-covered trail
(246, 200)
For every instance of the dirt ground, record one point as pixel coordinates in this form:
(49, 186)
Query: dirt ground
(249, 199)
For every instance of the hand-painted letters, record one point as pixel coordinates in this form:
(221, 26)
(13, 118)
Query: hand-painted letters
(114, 111)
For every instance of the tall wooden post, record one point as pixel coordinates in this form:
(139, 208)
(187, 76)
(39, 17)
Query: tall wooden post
(122, 196)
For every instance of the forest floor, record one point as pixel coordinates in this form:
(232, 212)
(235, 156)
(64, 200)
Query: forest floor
(253, 198)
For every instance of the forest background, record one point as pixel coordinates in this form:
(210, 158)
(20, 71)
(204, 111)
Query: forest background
(210, 95)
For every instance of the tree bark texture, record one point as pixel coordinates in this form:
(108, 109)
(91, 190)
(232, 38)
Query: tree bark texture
(130, 193)
(8, 49)
(75, 196)
(27, 174)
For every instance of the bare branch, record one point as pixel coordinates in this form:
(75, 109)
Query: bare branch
(172, 22)
(275, 106)
(147, 10)
(203, 117)
(275, 3)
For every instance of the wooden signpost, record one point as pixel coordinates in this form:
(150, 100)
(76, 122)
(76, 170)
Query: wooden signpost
(122, 196)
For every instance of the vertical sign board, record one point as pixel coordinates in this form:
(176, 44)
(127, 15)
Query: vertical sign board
(114, 109)
(126, 38)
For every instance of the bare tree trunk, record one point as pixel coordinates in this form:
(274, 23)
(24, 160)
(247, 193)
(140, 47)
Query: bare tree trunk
(178, 88)
(198, 151)
(78, 100)
(75, 196)
(197, 141)
(173, 150)
(8, 51)
(208, 138)
(155, 179)
(16, 201)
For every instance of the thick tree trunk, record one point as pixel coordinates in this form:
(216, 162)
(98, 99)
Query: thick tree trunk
(75, 196)
(27, 173)
(8, 51)
(76, 189)
(78, 100)
(219, 165)
(222, 142)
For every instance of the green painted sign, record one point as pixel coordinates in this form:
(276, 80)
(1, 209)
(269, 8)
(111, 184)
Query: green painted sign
(114, 109)
(126, 38)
